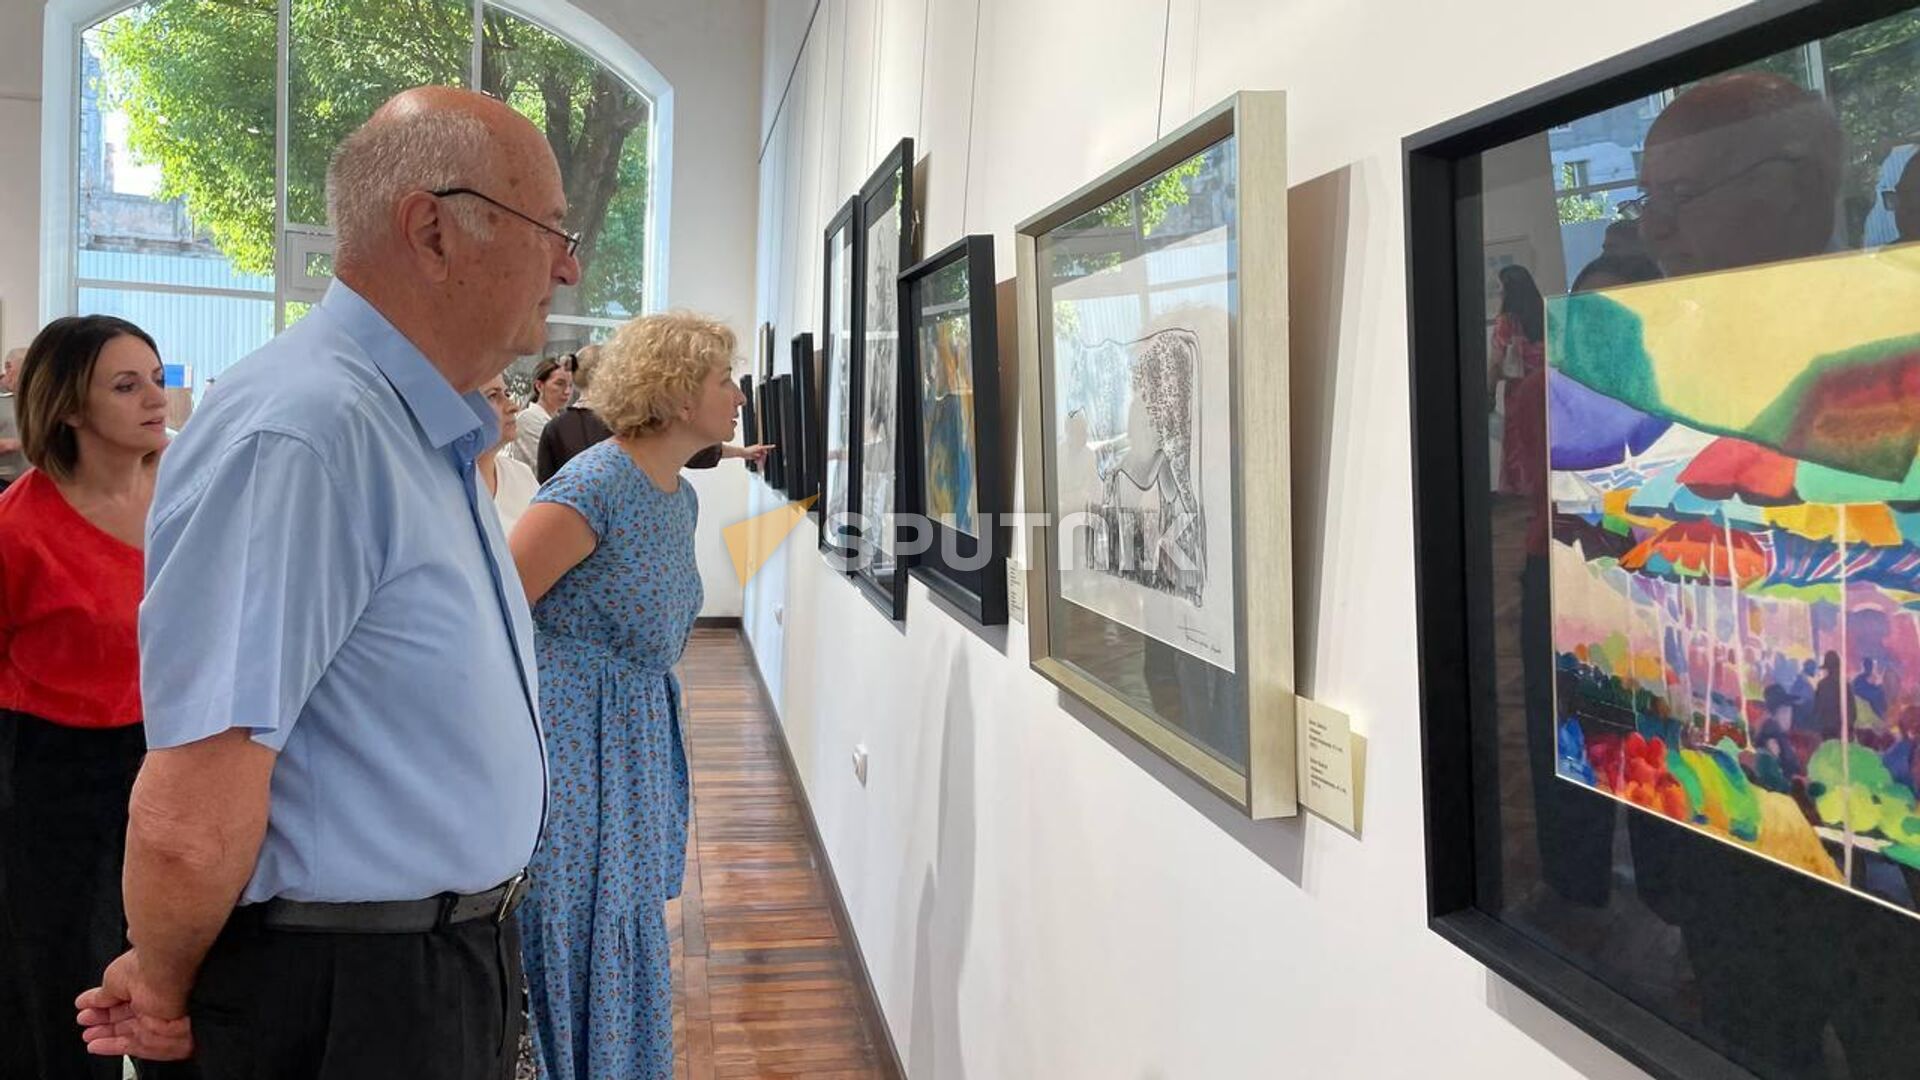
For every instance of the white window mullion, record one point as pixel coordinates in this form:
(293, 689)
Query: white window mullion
(479, 37)
(283, 47)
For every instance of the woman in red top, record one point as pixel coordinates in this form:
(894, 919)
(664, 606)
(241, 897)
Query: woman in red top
(1518, 352)
(92, 419)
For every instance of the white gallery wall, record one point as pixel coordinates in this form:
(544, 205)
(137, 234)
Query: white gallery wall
(709, 50)
(1035, 895)
(19, 170)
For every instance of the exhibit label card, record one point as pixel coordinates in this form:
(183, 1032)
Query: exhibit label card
(1332, 781)
(1016, 592)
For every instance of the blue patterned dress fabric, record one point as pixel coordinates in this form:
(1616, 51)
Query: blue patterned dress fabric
(607, 635)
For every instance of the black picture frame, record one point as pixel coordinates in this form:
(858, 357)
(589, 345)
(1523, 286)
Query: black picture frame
(969, 571)
(770, 432)
(792, 454)
(777, 409)
(1453, 582)
(839, 388)
(892, 180)
(749, 418)
(806, 382)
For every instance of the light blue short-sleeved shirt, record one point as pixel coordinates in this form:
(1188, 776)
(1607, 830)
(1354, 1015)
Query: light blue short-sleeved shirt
(321, 571)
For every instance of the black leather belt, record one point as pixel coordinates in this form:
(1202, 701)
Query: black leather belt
(389, 916)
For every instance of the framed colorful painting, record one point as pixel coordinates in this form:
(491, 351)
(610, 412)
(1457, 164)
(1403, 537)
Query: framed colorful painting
(888, 485)
(1666, 415)
(1152, 312)
(953, 363)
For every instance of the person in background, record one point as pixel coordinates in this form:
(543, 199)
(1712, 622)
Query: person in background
(577, 428)
(12, 461)
(92, 415)
(606, 555)
(346, 777)
(1622, 240)
(552, 388)
(1518, 350)
(573, 428)
(509, 482)
(1611, 271)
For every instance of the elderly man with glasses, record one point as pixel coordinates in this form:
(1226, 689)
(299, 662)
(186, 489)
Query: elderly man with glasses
(1740, 170)
(347, 778)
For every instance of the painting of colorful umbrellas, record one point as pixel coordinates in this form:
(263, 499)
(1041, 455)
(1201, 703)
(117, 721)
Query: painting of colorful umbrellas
(1735, 558)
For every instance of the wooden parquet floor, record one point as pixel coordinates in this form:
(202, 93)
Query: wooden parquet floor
(763, 983)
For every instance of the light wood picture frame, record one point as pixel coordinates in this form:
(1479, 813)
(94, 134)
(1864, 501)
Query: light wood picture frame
(1191, 328)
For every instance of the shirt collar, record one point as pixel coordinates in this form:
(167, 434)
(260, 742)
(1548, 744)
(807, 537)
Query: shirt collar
(441, 411)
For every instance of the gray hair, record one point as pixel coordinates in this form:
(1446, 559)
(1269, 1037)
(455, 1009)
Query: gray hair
(394, 155)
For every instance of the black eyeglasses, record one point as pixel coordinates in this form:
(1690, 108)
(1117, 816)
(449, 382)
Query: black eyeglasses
(572, 239)
(1672, 202)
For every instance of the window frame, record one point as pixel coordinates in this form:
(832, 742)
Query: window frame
(61, 94)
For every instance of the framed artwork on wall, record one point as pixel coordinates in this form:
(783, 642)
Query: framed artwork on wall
(953, 364)
(763, 353)
(749, 418)
(793, 456)
(806, 395)
(1665, 435)
(777, 398)
(839, 390)
(888, 485)
(1152, 312)
(769, 412)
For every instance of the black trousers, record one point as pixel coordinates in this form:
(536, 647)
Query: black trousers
(63, 831)
(438, 1005)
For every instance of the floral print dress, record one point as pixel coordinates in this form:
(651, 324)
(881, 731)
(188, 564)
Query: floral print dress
(608, 634)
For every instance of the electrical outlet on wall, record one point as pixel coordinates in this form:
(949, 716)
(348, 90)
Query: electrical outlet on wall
(860, 763)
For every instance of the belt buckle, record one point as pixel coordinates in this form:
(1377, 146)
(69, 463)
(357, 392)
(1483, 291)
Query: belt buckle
(506, 898)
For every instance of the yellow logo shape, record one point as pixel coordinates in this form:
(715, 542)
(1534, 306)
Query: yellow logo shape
(753, 541)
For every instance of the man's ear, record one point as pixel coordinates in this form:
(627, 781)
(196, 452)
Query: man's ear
(423, 230)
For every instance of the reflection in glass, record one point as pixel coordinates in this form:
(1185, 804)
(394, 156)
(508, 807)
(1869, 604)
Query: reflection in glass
(880, 383)
(1706, 624)
(1139, 294)
(945, 350)
(839, 346)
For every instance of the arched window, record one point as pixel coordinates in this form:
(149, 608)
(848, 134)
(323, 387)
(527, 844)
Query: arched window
(197, 134)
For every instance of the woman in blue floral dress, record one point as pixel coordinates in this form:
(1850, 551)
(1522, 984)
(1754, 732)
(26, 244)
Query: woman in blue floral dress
(606, 553)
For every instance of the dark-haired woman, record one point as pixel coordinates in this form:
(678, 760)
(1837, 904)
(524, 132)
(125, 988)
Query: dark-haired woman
(552, 389)
(92, 413)
(1519, 350)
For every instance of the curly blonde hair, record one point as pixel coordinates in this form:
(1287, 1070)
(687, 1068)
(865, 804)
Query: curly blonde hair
(653, 367)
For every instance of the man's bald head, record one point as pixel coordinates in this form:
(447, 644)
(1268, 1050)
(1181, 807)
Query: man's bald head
(427, 139)
(449, 211)
(1741, 169)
